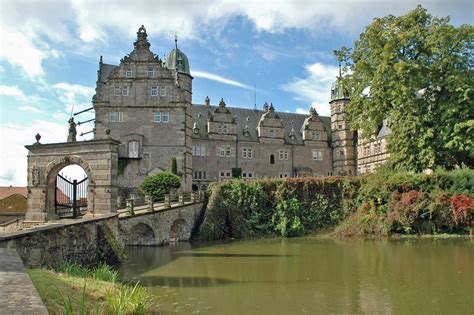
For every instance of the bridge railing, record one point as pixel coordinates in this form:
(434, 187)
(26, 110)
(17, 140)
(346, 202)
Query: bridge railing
(147, 203)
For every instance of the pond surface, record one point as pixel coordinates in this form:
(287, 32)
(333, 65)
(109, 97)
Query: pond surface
(309, 276)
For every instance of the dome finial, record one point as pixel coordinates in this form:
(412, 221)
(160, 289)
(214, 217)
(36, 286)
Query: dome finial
(340, 72)
(176, 41)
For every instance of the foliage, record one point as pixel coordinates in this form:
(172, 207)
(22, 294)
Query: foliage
(128, 300)
(416, 68)
(158, 185)
(68, 305)
(402, 202)
(105, 273)
(122, 164)
(240, 209)
(73, 269)
(174, 166)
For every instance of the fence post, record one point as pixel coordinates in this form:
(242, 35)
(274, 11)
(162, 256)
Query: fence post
(181, 199)
(167, 201)
(75, 213)
(149, 200)
(130, 205)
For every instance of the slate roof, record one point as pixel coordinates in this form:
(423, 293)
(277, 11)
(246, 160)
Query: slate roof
(251, 117)
(105, 70)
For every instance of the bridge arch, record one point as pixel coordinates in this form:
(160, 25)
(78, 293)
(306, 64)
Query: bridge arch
(140, 234)
(179, 231)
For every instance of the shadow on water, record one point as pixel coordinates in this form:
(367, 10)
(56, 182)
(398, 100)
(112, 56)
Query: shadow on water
(226, 255)
(180, 282)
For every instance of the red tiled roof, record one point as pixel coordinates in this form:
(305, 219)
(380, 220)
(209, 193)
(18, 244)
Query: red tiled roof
(6, 191)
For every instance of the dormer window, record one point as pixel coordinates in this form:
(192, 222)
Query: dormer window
(133, 147)
(271, 133)
(128, 73)
(314, 135)
(151, 72)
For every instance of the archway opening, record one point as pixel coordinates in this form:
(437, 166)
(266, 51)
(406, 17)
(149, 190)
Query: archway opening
(70, 192)
(178, 231)
(140, 234)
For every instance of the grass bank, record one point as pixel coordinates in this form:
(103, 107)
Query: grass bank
(380, 204)
(81, 291)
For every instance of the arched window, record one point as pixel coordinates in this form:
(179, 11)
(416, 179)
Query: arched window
(272, 159)
(133, 147)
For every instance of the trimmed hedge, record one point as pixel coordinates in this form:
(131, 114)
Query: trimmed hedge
(158, 185)
(377, 204)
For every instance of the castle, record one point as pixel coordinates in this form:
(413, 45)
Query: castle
(146, 103)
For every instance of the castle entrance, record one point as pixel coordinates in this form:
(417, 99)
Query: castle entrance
(70, 196)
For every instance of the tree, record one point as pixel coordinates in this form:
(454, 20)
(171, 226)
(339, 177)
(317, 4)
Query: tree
(174, 166)
(415, 70)
(158, 185)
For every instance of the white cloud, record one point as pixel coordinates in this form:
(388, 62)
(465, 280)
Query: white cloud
(75, 97)
(218, 78)
(13, 138)
(315, 87)
(30, 109)
(13, 91)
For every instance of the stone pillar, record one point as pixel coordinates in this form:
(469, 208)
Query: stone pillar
(167, 201)
(130, 206)
(181, 199)
(193, 197)
(149, 201)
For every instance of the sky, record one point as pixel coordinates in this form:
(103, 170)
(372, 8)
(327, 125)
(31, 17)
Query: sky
(279, 50)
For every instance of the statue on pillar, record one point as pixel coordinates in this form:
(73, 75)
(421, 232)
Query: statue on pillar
(71, 137)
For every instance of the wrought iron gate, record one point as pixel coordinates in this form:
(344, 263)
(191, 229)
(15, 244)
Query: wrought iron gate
(70, 196)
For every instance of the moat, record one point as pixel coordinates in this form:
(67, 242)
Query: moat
(308, 276)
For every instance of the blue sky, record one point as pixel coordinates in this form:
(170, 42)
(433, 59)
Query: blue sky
(50, 50)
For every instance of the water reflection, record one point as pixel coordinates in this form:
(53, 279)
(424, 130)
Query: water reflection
(309, 276)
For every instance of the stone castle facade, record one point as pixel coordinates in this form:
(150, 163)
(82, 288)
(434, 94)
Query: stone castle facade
(146, 103)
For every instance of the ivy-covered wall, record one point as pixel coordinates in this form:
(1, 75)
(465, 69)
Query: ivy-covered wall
(379, 204)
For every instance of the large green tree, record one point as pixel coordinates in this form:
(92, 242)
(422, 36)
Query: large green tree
(415, 70)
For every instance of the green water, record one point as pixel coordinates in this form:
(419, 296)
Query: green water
(309, 276)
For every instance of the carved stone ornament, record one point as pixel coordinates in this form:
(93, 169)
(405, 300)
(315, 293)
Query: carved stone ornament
(35, 175)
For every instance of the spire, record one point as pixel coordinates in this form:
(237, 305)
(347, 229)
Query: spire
(176, 41)
(222, 103)
(340, 72)
(207, 102)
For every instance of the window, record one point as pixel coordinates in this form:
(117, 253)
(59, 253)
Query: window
(200, 175)
(224, 174)
(284, 175)
(314, 135)
(199, 150)
(367, 168)
(222, 129)
(163, 90)
(165, 117)
(271, 133)
(272, 159)
(128, 73)
(133, 149)
(154, 90)
(117, 91)
(358, 169)
(225, 151)
(283, 154)
(115, 117)
(340, 126)
(339, 108)
(377, 148)
(367, 150)
(161, 117)
(247, 175)
(317, 155)
(151, 72)
(247, 153)
(341, 152)
(125, 91)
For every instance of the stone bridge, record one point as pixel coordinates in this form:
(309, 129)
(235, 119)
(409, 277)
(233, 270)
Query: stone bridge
(162, 225)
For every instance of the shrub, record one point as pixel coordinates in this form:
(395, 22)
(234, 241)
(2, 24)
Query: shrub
(73, 269)
(160, 184)
(174, 166)
(463, 209)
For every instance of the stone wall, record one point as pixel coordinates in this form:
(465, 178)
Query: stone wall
(84, 242)
(160, 227)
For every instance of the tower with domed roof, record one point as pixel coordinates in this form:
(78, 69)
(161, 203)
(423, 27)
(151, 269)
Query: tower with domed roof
(146, 104)
(343, 148)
